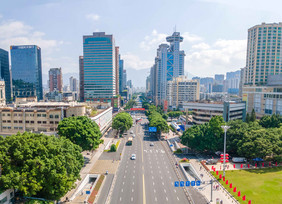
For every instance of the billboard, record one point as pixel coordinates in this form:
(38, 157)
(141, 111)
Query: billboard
(152, 129)
(165, 105)
(136, 109)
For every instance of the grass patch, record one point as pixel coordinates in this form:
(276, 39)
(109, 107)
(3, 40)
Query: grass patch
(259, 185)
(184, 160)
(117, 144)
(95, 191)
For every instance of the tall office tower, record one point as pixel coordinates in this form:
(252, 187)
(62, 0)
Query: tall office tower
(148, 84)
(124, 79)
(55, 79)
(264, 53)
(169, 63)
(81, 79)
(26, 71)
(5, 73)
(129, 83)
(99, 67)
(73, 84)
(121, 87)
(233, 80)
(117, 69)
(219, 78)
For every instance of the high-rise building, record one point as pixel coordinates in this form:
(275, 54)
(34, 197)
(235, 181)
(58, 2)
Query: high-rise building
(241, 83)
(169, 63)
(5, 73)
(117, 69)
(55, 79)
(233, 81)
(181, 89)
(73, 84)
(129, 83)
(121, 78)
(148, 84)
(124, 79)
(99, 68)
(2, 93)
(219, 78)
(264, 53)
(81, 79)
(26, 71)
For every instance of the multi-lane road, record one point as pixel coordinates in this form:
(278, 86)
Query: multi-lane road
(148, 179)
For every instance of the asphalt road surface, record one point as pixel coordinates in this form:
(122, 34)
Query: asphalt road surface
(148, 179)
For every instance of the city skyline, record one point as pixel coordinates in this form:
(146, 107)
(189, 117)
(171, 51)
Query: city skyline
(223, 47)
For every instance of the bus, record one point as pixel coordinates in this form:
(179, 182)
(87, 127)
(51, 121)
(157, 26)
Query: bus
(129, 141)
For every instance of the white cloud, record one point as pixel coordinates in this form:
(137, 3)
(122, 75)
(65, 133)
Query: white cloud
(191, 38)
(153, 40)
(219, 57)
(93, 17)
(133, 61)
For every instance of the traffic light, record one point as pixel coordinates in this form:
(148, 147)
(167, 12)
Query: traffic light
(226, 158)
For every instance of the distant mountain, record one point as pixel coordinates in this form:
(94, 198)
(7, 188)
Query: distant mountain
(66, 78)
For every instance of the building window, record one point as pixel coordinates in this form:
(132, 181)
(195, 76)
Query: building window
(44, 122)
(27, 121)
(56, 116)
(268, 106)
(4, 200)
(279, 107)
(56, 122)
(51, 122)
(20, 121)
(43, 115)
(15, 121)
(257, 101)
(38, 115)
(39, 122)
(51, 116)
(32, 121)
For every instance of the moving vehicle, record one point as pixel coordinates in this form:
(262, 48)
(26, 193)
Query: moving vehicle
(131, 132)
(133, 156)
(239, 159)
(211, 161)
(151, 144)
(133, 135)
(129, 141)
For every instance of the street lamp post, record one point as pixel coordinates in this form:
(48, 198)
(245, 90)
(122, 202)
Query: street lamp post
(225, 128)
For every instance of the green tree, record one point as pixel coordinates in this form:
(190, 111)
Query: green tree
(174, 114)
(248, 119)
(160, 123)
(82, 131)
(113, 148)
(130, 104)
(39, 165)
(253, 116)
(271, 121)
(165, 116)
(122, 122)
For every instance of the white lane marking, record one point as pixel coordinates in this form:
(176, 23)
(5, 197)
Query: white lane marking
(131, 199)
(134, 167)
(133, 177)
(161, 177)
(152, 177)
(122, 190)
(159, 171)
(166, 198)
(163, 183)
(132, 183)
(151, 172)
(174, 191)
(122, 183)
(170, 177)
(177, 198)
(125, 171)
(168, 172)
(126, 166)
(153, 183)
(150, 166)
(124, 176)
(164, 190)
(132, 190)
(154, 190)
(157, 151)
(166, 167)
(156, 199)
(119, 198)
(133, 171)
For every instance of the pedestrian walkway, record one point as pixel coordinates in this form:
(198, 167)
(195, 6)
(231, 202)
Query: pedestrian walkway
(219, 193)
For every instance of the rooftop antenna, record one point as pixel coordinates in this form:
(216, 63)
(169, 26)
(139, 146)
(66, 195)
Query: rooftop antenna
(174, 28)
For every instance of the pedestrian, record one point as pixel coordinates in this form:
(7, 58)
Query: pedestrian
(200, 168)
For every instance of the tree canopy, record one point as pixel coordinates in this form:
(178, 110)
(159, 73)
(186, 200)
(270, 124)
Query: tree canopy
(39, 165)
(174, 114)
(271, 121)
(82, 131)
(130, 104)
(122, 122)
(156, 119)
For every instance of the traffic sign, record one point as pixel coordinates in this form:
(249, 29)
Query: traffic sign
(176, 184)
(192, 183)
(181, 183)
(198, 183)
(87, 192)
(187, 183)
(152, 129)
(171, 145)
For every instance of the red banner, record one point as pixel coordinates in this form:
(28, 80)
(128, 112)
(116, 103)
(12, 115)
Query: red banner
(136, 109)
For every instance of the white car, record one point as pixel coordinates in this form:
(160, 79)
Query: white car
(131, 132)
(133, 156)
(133, 135)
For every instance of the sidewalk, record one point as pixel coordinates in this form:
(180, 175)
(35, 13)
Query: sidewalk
(205, 189)
(93, 157)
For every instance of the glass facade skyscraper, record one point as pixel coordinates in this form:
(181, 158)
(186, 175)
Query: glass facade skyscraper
(99, 67)
(121, 86)
(5, 73)
(26, 71)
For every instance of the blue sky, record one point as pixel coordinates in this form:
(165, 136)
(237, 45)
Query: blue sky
(214, 31)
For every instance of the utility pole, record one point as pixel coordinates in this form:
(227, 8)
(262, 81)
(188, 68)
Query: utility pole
(211, 190)
(186, 122)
